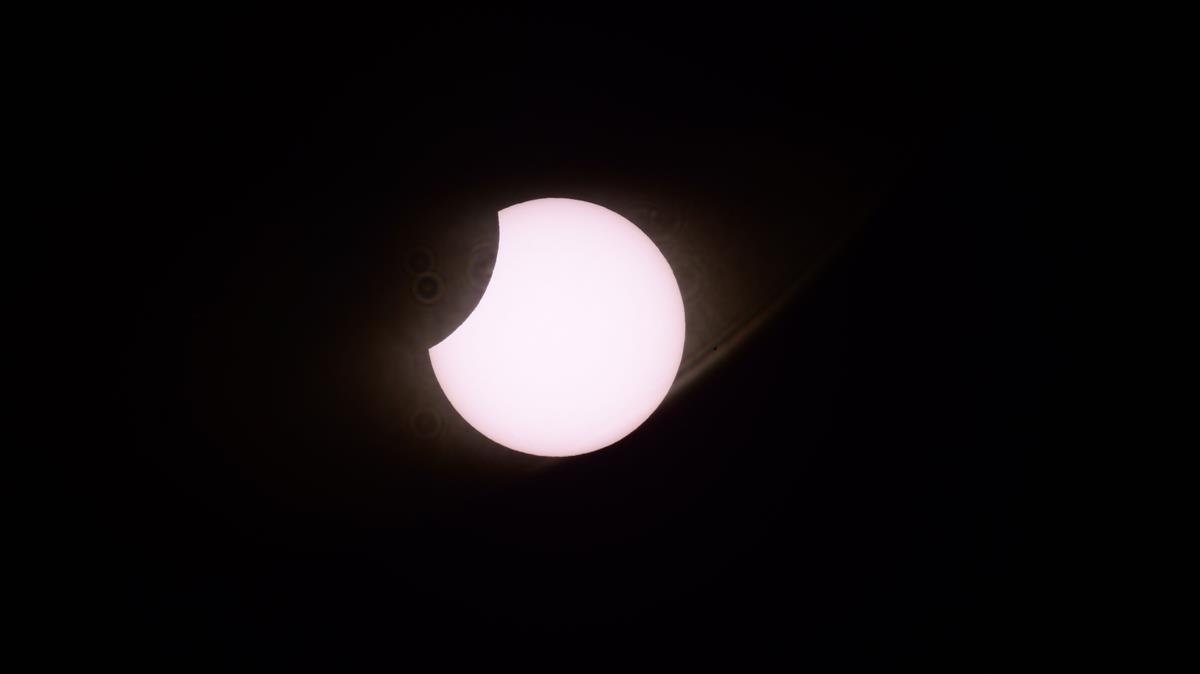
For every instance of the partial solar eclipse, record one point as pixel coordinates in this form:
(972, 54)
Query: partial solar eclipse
(578, 336)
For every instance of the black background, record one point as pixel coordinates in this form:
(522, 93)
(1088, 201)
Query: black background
(853, 489)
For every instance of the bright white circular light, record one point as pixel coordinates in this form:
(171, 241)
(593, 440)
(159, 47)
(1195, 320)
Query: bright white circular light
(577, 338)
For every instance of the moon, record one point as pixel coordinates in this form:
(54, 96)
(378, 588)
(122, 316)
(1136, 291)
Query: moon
(577, 338)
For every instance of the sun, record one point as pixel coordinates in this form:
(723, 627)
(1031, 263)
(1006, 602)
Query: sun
(577, 338)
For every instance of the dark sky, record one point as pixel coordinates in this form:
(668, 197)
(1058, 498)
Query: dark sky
(852, 489)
